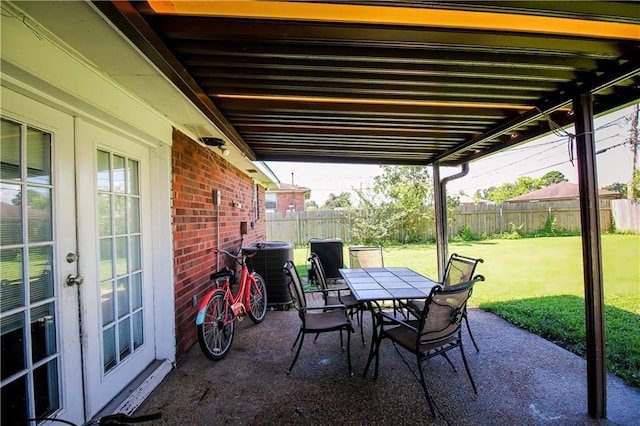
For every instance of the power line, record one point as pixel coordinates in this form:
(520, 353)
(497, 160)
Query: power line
(489, 184)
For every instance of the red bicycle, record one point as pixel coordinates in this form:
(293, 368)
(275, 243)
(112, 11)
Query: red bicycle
(220, 308)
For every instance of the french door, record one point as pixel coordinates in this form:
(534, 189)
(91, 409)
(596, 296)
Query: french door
(39, 321)
(117, 292)
(76, 298)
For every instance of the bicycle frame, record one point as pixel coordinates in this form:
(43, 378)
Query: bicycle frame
(240, 303)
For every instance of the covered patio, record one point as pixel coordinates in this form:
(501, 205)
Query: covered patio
(521, 378)
(437, 83)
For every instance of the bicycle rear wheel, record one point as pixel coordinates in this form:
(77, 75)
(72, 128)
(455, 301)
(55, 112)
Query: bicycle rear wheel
(257, 299)
(215, 334)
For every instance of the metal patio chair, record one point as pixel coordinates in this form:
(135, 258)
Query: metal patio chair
(436, 331)
(368, 257)
(335, 295)
(459, 269)
(365, 257)
(315, 320)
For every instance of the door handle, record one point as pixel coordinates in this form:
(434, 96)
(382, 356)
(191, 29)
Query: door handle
(74, 280)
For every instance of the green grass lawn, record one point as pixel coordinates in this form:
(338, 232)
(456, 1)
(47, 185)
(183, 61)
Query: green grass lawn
(537, 284)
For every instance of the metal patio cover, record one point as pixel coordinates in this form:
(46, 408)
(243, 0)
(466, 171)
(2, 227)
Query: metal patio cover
(388, 82)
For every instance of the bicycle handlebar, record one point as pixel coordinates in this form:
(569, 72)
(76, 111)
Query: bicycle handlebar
(241, 255)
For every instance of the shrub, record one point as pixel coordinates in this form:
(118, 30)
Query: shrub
(466, 234)
(513, 234)
(612, 227)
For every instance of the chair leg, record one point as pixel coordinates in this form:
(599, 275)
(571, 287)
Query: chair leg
(424, 387)
(359, 319)
(444, 354)
(373, 352)
(296, 341)
(377, 344)
(366, 367)
(466, 366)
(466, 320)
(295, 358)
(348, 351)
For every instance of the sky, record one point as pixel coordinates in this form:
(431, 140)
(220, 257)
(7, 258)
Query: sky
(534, 159)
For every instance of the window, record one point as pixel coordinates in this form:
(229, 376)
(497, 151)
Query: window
(270, 202)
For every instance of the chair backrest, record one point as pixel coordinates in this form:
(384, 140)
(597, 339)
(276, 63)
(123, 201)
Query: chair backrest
(365, 257)
(443, 311)
(316, 272)
(295, 286)
(459, 269)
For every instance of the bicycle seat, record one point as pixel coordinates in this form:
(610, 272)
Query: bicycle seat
(225, 272)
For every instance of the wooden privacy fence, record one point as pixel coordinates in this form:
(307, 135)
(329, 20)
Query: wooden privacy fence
(525, 217)
(300, 227)
(626, 214)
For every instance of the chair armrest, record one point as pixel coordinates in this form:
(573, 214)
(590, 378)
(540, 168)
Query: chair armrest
(341, 287)
(336, 290)
(314, 291)
(388, 319)
(324, 307)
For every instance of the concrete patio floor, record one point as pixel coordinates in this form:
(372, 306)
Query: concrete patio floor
(522, 379)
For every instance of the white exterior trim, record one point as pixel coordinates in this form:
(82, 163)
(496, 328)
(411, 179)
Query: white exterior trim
(39, 66)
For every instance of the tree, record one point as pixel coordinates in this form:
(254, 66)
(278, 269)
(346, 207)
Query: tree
(483, 194)
(310, 205)
(553, 177)
(35, 199)
(373, 220)
(343, 200)
(617, 187)
(407, 189)
(522, 185)
(635, 185)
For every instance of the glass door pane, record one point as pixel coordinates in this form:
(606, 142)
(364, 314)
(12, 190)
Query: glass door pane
(28, 297)
(120, 247)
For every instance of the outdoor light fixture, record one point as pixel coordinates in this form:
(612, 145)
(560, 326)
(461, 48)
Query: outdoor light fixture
(211, 141)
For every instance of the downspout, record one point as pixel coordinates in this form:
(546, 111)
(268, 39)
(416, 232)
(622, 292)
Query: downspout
(440, 201)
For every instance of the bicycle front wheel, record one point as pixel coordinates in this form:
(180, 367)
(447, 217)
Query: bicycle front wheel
(215, 334)
(257, 299)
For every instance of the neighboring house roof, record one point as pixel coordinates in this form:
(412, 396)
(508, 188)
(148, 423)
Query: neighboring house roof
(563, 191)
(286, 187)
(9, 211)
(13, 212)
(465, 200)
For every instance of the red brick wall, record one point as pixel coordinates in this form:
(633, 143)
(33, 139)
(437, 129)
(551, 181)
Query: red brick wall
(285, 199)
(196, 172)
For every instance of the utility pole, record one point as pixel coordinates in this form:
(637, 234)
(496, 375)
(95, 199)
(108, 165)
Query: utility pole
(634, 149)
